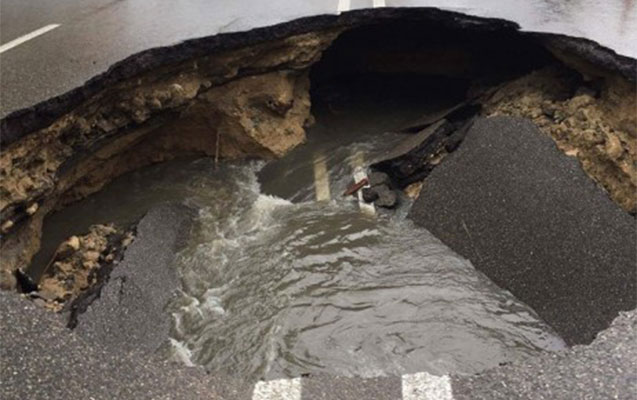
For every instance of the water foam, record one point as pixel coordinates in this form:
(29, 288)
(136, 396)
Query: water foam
(281, 288)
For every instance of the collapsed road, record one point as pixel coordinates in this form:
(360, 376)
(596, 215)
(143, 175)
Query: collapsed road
(524, 165)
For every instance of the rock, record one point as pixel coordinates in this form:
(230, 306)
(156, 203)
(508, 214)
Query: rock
(8, 224)
(378, 178)
(8, 280)
(91, 256)
(88, 265)
(128, 239)
(77, 266)
(548, 109)
(67, 248)
(32, 209)
(386, 197)
(40, 302)
(369, 195)
(581, 100)
(46, 295)
(613, 146)
(412, 191)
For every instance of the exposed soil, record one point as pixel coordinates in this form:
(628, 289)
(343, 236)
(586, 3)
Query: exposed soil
(75, 266)
(251, 102)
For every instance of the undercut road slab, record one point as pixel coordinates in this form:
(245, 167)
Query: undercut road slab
(529, 217)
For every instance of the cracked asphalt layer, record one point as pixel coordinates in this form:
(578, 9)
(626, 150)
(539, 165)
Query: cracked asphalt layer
(130, 311)
(606, 369)
(528, 216)
(109, 359)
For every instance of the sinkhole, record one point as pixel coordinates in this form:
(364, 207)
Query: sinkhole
(282, 274)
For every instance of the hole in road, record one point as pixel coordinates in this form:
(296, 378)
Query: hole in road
(276, 283)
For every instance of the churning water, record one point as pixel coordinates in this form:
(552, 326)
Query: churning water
(277, 284)
(273, 288)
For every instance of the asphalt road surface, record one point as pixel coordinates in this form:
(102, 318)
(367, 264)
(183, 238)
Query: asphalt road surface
(50, 47)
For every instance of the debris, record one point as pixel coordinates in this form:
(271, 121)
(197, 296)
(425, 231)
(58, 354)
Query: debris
(415, 157)
(386, 197)
(430, 119)
(32, 209)
(355, 187)
(378, 178)
(613, 146)
(75, 266)
(369, 195)
(413, 190)
(67, 248)
(25, 282)
(8, 224)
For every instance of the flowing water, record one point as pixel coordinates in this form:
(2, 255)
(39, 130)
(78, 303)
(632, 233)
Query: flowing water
(277, 284)
(274, 288)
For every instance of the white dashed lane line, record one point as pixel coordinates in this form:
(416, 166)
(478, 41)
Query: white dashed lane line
(321, 178)
(424, 386)
(418, 386)
(280, 389)
(378, 3)
(27, 37)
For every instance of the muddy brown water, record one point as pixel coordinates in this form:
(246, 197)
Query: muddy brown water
(276, 284)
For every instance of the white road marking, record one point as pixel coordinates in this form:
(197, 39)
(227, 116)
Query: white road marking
(343, 5)
(378, 3)
(280, 389)
(321, 178)
(424, 386)
(27, 37)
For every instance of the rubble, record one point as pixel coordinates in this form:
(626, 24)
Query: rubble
(74, 267)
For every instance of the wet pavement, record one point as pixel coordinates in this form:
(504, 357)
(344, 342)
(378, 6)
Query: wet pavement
(95, 34)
